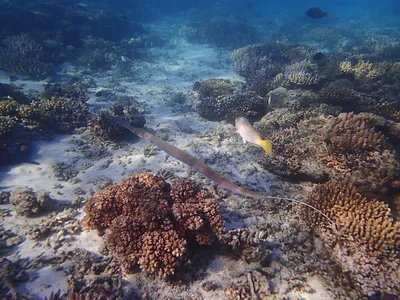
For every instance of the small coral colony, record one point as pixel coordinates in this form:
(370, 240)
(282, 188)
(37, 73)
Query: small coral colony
(324, 95)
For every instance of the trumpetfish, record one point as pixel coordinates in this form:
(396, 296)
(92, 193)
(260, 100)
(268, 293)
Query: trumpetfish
(201, 167)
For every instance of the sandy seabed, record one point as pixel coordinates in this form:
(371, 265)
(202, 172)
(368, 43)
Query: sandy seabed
(153, 84)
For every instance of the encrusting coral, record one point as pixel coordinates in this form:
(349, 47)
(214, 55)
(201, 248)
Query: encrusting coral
(151, 225)
(367, 243)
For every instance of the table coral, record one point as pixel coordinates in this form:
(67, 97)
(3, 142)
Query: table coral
(150, 224)
(367, 243)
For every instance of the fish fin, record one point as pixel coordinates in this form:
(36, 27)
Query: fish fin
(244, 141)
(267, 146)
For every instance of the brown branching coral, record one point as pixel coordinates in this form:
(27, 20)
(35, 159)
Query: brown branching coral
(149, 224)
(364, 71)
(196, 212)
(337, 95)
(302, 73)
(355, 148)
(22, 54)
(223, 100)
(356, 142)
(368, 241)
(353, 134)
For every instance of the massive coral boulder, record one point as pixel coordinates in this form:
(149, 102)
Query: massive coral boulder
(269, 65)
(151, 225)
(366, 244)
(221, 99)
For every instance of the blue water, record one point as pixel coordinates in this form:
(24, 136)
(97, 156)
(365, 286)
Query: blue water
(127, 47)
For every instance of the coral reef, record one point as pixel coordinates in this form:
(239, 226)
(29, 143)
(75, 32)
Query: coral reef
(222, 100)
(125, 108)
(22, 55)
(303, 73)
(40, 35)
(340, 92)
(8, 92)
(59, 110)
(356, 148)
(367, 241)
(362, 153)
(150, 224)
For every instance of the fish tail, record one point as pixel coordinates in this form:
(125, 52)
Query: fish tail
(267, 146)
(325, 13)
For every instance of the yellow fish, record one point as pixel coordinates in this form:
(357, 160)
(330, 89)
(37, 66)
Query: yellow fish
(248, 134)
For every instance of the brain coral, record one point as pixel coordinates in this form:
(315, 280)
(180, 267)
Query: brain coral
(368, 241)
(149, 224)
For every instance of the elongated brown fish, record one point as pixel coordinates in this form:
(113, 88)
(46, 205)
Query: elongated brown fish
(249, 134)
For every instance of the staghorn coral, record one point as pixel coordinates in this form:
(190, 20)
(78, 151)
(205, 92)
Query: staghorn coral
(364, 71)
(261, 60)
(261, 65)
(303, 73)
(72, 90)
(22, 55)
(62, 115)
(151, 225)
(101, 54)
(215, 87)
(353, 134)
(161, 252)
(368, 241)
(7, 124)
(222, 100)
(337, 94)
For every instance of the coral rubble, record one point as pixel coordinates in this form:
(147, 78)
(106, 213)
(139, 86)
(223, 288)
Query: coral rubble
(28, 203)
